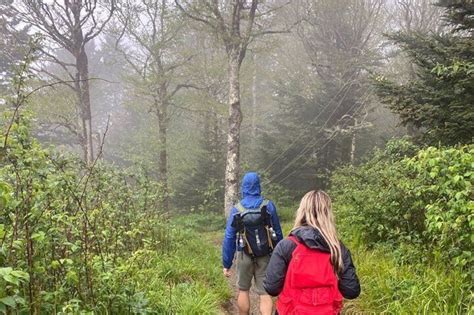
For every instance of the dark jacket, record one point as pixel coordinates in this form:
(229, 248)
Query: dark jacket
(349, 285)
(251, 199)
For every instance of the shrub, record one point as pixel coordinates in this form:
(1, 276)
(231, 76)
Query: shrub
(78, 239)
(443, 185)
(423, 202)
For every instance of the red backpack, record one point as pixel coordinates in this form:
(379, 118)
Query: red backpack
(310, 284)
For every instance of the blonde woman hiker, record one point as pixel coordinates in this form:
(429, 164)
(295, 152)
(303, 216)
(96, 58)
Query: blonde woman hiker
(311, 271)
(253, 228)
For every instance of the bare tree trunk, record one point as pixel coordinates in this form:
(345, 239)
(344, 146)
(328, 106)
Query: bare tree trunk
(71, 25)
(254, 98)
(163, 152)
(82, 83)
(236, 42)
(215, 132)
(254, 105)
(82, 133)
(353, 143)
(163, 167)
(233, 138)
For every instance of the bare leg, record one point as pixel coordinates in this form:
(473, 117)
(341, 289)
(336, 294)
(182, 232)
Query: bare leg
(243, 301)
(266, 305)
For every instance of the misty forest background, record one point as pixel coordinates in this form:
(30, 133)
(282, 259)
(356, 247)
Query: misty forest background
(127, 124)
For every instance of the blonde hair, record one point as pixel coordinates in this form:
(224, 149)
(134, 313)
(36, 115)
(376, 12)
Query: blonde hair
(315, 211)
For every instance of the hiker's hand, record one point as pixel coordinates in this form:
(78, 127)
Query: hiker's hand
(227, 272)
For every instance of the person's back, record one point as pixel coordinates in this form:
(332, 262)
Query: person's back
(312, 270)
(253, 227)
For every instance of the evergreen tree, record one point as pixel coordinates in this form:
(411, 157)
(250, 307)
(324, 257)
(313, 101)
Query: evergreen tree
(438, 100)
(13, 40)
(324, 94)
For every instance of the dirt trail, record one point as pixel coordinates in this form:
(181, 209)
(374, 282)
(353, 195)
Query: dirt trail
(230, 307)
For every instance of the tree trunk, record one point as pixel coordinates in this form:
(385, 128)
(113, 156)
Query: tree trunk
(163, 152)
(82, 84)
(233, 137)
(353, 143)
(254, 108)
(216, 141)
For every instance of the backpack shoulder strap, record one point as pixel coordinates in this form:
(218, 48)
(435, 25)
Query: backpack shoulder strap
(299, 245)
(264, 203)
(294, 239)
(240, 208)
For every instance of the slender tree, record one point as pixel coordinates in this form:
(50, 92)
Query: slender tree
(235, 24)
(419, 15)
(71, 25)
(149, 39)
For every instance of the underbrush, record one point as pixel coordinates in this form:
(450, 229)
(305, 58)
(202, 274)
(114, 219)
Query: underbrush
(286, 214)
(395, 279)
(407, 215)
(91, 239)
(389, 287)
(423, 202)
(201, 222)
(187, 280)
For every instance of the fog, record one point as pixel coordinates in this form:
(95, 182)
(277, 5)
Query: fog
(147, 83)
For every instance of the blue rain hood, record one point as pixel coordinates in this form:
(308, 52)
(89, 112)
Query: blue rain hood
(251, 191)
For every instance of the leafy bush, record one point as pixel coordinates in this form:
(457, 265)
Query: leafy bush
(77, 238)
(369, 200)
(421, 203)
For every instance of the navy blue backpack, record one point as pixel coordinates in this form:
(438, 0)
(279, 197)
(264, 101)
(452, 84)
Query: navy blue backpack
(256, 236)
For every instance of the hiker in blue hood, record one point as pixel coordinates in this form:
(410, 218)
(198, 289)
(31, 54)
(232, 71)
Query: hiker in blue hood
(254, 229)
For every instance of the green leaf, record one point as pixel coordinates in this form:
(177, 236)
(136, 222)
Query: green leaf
(66, 261)
(72, 277)
(8, 301)
(21, 275)
(11, 279)
(20, 300)
(38, 236)
(5, 271)
(55, 264)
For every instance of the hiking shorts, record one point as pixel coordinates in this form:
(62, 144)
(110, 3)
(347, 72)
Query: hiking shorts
(248, 269)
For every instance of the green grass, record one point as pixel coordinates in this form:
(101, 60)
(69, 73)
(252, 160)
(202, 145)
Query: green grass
(391, 288)
(200, 222)
(187, 279)
(287, 214)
